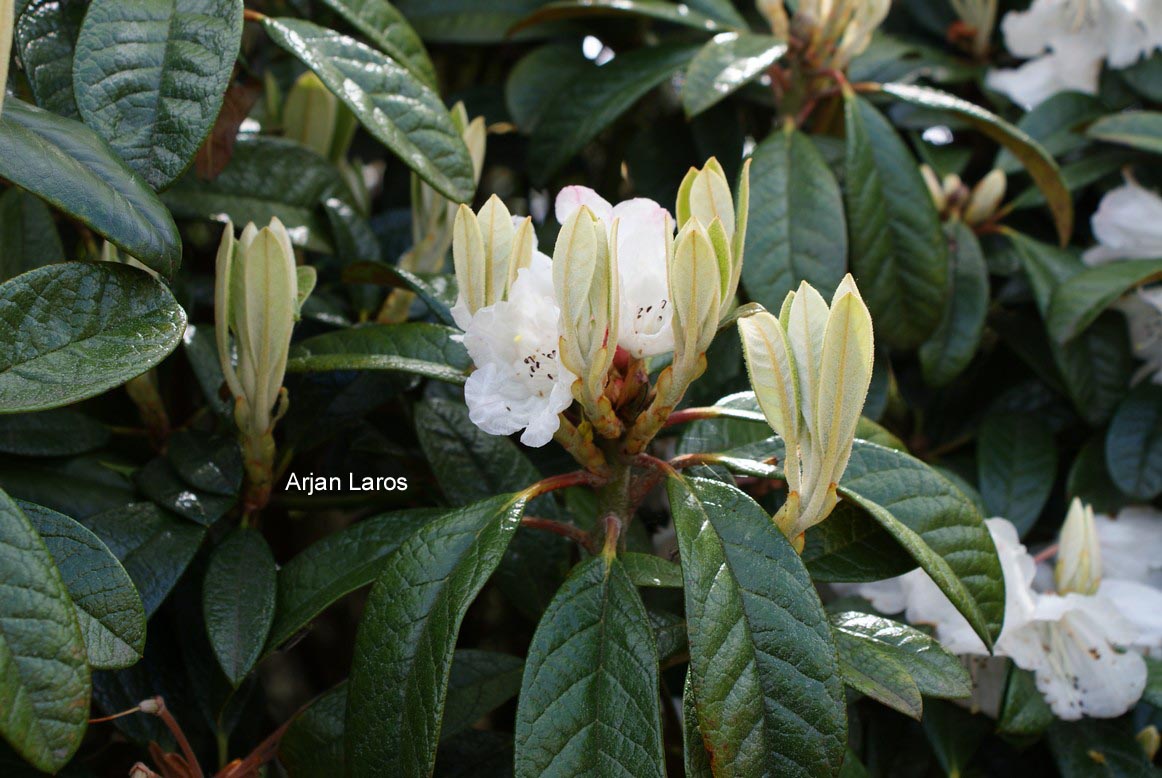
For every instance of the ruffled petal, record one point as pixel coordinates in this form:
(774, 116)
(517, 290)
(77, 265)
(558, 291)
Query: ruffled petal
(571, 198)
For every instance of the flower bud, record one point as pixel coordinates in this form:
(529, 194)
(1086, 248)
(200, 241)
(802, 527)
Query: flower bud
(986, 197)
(935, 188)
(696, 291)
(1079, 554)
(314, 117)
(487, 252)
(585, 279)
(257, 298)
(811, 370)
(1149, 739)
(775, 12)
(866, 17)
(7, 22)
(704, 197)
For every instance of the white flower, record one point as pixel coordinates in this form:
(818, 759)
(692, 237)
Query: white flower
(1131, 545)
(1066, 42)
(519, 382)
(1075, 645)
(1128, 225)
(643, 233)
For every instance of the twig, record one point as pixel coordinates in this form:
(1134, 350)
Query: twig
(576, 534)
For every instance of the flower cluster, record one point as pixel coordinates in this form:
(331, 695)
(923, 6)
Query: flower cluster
(1066, 42)
(811, 369)
(1128, 225)
(620, 288)
(1080, 632)
(956, 202)
(834, 31)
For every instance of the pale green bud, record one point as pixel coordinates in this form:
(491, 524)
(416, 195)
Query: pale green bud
(7, 22)
(585, 279)
(775, 12)
(314, 117)
(864, 18)
(487, 252)
(1149, 739)
(1078, 553)
(811, 370)
(986, 197)
(257, 299)
(696, 294)
(935, 187)
(704, 197)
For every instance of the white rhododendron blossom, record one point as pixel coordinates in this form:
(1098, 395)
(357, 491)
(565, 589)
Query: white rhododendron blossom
(1067, 41)
(1079, 647)
(519, 381)
(1128, 225)
(646, 312)
(1131, 544)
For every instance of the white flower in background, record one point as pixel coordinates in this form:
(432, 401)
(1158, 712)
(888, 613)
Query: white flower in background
(1131, 544)
(644, 233)
(1128, 225)
(1066, 42)
(1075, 644)
(519, 382)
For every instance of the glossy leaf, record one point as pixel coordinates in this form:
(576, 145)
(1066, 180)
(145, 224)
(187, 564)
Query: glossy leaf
(585, 107)
(682, 15)
(73, 169)
(27, 233)
(387, 28)
(1140, 130)
(149, 77)
(898, 251)
(951, 348)
(1096, 748)
(154, 546)
(312, 746)
(799, 232)
(539, 77)
(725, 64)
(1016, 466)
(1038, 162)
(109, 609)
(160, 482)
(589, 699)
(238, 598)
(44, 680)
(404, 647)
(1134, 443)
(391, 104)
(851, 547)
(336, 566)
(1057, 124)
(211, 464)
(1078, 302)
(73, 331)
(652, 571)
(471, 465)
(1023, 709)
(480, 682)
(415, 347)
(432, 288)
(764, 674)
(467, 21)
(46, 35)
(58, 433)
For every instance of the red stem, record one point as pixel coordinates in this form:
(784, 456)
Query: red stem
(576, 534)
(553, 483)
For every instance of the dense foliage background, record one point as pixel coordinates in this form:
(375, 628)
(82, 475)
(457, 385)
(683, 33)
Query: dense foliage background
(132, 130)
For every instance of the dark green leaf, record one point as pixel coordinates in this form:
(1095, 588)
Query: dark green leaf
(1134, 443)
(266, 178)
(1089, 479)
(764, 673)
(414, 347)
(313, 744)
(725, 64)
(865, 641)
(27, 233)
(1078, 302)
(154, 546)
(96, 326)
(1153, 692)
(1016, 459)
(475, 754)
(238, 598)
(1023, 709)
(68, 165)
(77, 487)
(336, 566)
(695, 757)
(1093, 748)
(652, 571)
(431, 288)
(466, 21)
(898, 250)
(852, 547)
(720, 10)
(403, 650)
(539, 77)
(1057, 124)
(954, 734)
(1040, 165)
(589, 699)
(1136, 129)
(1078, 175)
(586, 106)
(45, 35)
(642, 9)
(472, 465)
(160, 482)
(58, 433)
(950, 349)
(109, 610)
(799, 233)
(392, 104)
(208, 463)
(387, 28)
(480, 682)
(44, 681)
(150, 76)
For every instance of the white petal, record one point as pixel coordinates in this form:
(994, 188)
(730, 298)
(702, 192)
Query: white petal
(646, 311)
(571, 198)
(1131, 544)
(1041, 78)
(1128, 225)
(1141, 606)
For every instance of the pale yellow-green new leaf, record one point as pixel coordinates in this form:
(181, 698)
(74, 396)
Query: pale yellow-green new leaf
(223, 292)
(581, 247)
(741, 219)
(522, 251)
(7, 22)
(806, 324)
(771, 366)
(496, 231)
(710, 197)
(720, 242)
(468, 259)
(695, 289)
